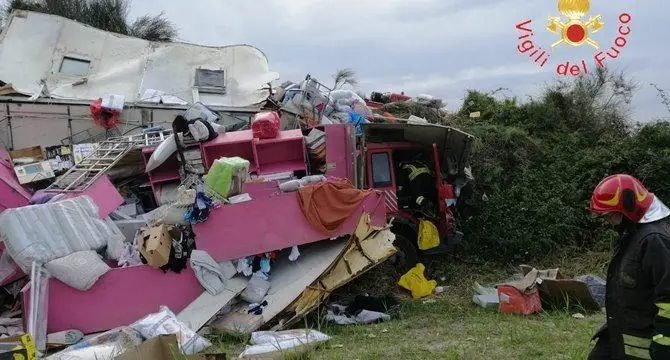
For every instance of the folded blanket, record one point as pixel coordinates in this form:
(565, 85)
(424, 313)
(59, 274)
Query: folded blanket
(208, 272)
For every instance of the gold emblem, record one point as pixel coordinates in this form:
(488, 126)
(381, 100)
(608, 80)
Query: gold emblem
(575, 32)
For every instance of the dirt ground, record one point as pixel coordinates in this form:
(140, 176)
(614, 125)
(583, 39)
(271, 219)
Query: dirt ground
(451, 326)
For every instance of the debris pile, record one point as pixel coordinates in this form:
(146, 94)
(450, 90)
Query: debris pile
(228, 231)
(534, 290)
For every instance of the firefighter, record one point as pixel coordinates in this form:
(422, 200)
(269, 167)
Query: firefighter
(420, 182)
(638, 278)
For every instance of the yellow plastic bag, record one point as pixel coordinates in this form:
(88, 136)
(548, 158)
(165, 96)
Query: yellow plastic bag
(429, 237)
(416, 282)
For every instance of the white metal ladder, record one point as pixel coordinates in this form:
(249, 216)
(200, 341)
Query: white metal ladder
(107, 154)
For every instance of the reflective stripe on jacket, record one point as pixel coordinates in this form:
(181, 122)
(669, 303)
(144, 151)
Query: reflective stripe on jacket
(415, 171)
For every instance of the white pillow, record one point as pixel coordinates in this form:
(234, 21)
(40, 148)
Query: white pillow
(79, 270)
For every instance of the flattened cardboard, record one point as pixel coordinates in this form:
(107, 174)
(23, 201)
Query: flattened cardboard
(29, 152)
(561, 292)
(159, 348)
(164, 347)
(155, 244)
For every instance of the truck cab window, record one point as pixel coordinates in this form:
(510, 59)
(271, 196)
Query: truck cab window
(381, 170)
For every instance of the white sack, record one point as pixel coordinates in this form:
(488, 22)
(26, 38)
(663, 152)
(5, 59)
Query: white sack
(162, 153)
(79, 270)
(274, 345)
(164, 322)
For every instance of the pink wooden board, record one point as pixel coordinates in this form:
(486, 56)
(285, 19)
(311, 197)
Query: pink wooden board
(119, 298)
(273, 223)
(104, 195)
(340, 148)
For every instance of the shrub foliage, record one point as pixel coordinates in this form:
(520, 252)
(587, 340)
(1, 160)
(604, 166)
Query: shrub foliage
(536, 164)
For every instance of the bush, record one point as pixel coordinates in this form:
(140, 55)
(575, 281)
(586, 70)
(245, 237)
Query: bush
(538, 162)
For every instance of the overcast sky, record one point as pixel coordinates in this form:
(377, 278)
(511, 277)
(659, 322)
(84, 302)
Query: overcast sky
(437, 47)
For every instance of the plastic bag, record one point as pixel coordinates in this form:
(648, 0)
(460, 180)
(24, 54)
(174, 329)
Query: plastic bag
(265, 125)
(164, 322)
(416, 282)
(256, 290)
(105, 117)
(227, 175)
(270, 345)
(429, 237)
(513, 301)
(357, 120)
(352, 100)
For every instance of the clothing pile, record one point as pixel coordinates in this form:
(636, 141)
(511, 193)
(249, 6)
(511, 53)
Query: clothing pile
(363, 310)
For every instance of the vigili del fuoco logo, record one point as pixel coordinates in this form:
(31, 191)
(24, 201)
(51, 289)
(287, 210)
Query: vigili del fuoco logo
(574, 27)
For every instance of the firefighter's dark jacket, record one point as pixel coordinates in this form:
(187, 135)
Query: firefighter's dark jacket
(638, 293)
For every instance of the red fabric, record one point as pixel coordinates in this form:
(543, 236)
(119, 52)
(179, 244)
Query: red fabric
(107, 118)
(265, 125)
(327, 205)
(610, 193)
(445, 191)
(513, 301)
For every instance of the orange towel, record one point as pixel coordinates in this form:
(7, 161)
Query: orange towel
(327, 205)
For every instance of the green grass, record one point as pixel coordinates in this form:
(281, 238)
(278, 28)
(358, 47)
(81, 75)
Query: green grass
(453, 327)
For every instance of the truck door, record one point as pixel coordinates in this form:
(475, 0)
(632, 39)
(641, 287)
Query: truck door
(380, 176)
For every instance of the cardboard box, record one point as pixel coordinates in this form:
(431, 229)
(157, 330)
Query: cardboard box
(163, 347)
(34, 152)
(155, 244)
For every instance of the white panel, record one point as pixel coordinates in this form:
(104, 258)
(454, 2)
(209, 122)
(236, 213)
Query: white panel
(123, 65)
(26, 51)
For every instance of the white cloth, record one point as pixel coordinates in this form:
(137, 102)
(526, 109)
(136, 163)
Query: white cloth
(656, 211)
(199, 130)
(129, 256)
(362, 318)
(243, 267)
(295, 253)
(208, 272)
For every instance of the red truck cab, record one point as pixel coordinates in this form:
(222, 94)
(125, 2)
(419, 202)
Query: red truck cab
(373, 161)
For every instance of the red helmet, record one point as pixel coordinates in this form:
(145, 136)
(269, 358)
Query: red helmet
(623, 194)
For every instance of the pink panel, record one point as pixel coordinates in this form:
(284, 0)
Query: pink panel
(118, 298)
(274, 223)
(236, 143)
(337, 157)
(104, 194)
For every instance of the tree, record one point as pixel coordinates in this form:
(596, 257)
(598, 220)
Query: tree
(344, 77)
(108, 15)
